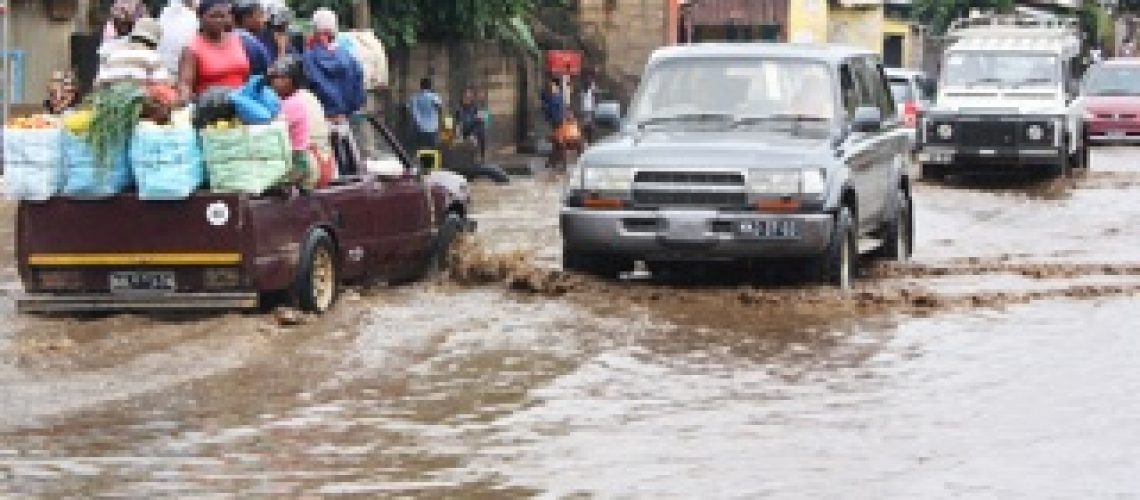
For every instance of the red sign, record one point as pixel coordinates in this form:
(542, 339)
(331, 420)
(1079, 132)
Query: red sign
(564, 62)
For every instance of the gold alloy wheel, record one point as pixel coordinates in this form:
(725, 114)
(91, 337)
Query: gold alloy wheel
(323, 278)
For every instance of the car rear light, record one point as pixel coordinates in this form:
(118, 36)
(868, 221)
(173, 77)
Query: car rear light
(220, 278)
(910, 113)
(59, 281)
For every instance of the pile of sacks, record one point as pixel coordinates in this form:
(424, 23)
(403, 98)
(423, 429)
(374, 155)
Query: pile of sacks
(235, 148)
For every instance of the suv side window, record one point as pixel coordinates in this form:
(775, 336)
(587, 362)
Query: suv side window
(848, 90)
(885, 102)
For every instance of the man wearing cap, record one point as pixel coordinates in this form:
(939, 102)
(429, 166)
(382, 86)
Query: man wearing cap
(137, 60)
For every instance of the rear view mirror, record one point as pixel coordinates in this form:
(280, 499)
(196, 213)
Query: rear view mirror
(867, 119)
(387, 167)
(608, 114)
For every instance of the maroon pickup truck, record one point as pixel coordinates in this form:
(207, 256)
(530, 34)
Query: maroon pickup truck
(388, 221)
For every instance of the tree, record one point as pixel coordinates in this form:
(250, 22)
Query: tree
(939, 13)
(406, 22)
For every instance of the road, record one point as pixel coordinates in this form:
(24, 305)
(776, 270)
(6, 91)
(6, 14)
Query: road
(1000, 363)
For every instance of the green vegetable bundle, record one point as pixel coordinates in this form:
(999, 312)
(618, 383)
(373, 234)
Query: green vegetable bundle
(117, 109)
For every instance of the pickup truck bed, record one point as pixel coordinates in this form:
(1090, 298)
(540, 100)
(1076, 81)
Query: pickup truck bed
(226, 250)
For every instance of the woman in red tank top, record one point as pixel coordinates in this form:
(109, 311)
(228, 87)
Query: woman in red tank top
(216, 56)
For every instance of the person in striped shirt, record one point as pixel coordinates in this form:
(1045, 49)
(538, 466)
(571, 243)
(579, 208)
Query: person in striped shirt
(137, 60)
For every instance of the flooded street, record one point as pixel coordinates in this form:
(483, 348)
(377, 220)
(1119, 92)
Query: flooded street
(999, 364)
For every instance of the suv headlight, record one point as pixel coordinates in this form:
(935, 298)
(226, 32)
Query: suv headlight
(607, 178)
(772, 181)
(813, 182)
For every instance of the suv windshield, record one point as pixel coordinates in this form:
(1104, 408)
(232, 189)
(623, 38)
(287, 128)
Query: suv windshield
(697, 92)
(1007, 69)
(1114, 80)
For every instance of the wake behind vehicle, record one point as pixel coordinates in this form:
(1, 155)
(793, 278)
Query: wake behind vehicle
(746, 153)
(1003, 102)
(226, 251)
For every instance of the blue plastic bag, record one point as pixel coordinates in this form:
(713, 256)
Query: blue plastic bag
(33, 163)
(256, 103)
(167, 163)
(83, 177)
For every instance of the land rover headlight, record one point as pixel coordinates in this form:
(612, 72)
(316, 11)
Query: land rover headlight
(812, 182)
(1035, 132)
(945, 131)
(607, 178)
(773, 181)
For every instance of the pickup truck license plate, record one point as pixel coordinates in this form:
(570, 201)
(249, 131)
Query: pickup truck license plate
(779, 229)
(145, 281)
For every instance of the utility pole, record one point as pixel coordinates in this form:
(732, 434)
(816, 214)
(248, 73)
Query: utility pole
(362, 15)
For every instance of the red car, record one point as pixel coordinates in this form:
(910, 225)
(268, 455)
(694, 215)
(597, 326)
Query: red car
(1110, 102)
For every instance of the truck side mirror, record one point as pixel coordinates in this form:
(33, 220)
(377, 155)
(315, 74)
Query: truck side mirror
(867, 119)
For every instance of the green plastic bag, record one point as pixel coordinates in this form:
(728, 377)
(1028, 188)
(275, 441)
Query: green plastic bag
(249, 159)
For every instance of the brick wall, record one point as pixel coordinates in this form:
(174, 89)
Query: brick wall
(619, 36)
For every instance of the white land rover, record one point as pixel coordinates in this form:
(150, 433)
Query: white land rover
(1004, 99)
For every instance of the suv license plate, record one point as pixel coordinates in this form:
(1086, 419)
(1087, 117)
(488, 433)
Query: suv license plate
(142, 281)
(776, 229)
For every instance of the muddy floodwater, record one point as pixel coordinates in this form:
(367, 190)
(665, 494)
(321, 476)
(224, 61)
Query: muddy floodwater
(1000, 363)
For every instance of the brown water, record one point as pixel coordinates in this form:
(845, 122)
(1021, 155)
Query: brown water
(999, 364)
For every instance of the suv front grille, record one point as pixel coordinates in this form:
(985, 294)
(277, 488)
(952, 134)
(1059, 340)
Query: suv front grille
(995, 134)
(700, 178)
(671, 188)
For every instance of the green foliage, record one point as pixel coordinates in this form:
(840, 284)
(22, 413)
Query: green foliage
(407, 22)
(939, 13)
(116, 110)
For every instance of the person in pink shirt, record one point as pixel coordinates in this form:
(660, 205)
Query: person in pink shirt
(286, 76)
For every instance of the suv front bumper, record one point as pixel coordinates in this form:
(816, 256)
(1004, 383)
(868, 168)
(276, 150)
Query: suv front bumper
(995, 157)
(690, 234)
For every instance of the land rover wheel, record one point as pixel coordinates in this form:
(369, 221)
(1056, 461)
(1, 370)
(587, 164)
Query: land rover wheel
(898, 236)
(318, 279)
(597, 264)
(839, 264)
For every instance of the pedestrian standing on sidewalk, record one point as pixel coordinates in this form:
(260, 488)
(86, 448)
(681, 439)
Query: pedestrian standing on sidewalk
(426, 108)
(587, 104)
(469, 119)
(554, 110)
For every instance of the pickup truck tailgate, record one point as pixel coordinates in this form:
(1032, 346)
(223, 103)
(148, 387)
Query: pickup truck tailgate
(122, 250)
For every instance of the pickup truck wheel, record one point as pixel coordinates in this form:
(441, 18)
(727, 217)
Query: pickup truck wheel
(318, 280)
(839, 264)
(603, 265)
(898, 239)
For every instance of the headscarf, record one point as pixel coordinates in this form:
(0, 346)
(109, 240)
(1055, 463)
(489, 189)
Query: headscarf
(128, 10)
(324, 20)
(204, 6)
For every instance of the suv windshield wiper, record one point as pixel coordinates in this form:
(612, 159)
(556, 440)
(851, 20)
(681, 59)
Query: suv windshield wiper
(981, 81)
(779, 117)
(1030, 81)
(685, 117)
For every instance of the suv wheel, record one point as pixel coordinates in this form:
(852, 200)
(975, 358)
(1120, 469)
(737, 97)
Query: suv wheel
(597, 264)
(898, 238)
(839, 264)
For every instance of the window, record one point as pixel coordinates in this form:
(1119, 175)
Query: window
(886, 104)
(849, 89)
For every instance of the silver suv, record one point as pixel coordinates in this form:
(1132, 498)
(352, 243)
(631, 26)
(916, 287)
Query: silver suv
(746, 152)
